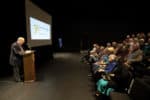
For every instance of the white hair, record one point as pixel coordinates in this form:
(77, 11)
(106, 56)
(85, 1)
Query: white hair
(21, 39)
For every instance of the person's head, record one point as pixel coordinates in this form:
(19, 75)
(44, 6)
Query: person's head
(148, 41)
(20, 40)
(108, 44)
(136, 40)
(142, 41)
(112, 57)
(133, 35)
(110, 50)
(95, 45)
(136, 47)
(114, 44)
(131, 40)
(142, 35)
(123, 51)
(102, 48)
(138, 35)
(128, 36)
(148, 34)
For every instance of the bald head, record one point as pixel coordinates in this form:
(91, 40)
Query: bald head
(20, 40)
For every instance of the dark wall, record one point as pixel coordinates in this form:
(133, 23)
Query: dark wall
(100, 31)
(80, 32)
(12, 25)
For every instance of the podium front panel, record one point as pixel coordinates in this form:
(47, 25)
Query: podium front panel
(29, 67)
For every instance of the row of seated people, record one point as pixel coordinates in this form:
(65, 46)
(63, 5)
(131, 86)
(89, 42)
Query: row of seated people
(115, 66)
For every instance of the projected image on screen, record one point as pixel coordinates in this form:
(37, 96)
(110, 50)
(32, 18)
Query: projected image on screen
(39, 30)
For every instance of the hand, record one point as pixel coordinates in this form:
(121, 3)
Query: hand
(112, 75)
(101, 70)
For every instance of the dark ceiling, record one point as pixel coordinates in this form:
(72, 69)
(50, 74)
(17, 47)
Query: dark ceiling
(96, 10)
(99, 13)
(87, 8)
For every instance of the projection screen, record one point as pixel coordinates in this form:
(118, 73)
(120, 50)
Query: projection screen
(38, 25)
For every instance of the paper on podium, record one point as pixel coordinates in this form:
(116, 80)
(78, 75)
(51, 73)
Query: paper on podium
(28, 51)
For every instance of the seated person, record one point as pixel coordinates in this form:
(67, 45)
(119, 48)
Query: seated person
(135, 55)
(108, 69)
(94, 53)
(111, 65)
(118, 80)
(134, 60)
(104, 60)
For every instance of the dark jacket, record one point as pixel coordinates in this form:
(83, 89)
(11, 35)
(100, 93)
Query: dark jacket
(16, 54)
(122, 76)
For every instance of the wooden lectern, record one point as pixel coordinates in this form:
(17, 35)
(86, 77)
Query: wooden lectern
(29, 66)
